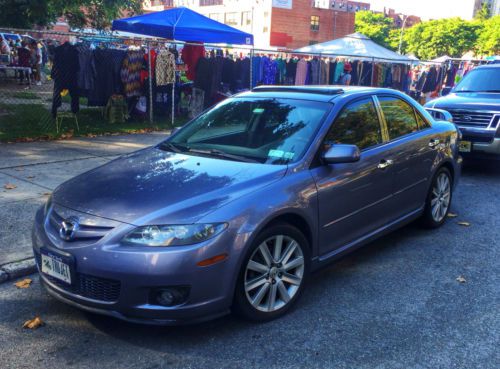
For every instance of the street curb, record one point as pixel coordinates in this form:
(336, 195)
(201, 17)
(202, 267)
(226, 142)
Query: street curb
(17, 269)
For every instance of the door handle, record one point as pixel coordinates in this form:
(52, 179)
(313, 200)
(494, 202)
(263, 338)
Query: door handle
(385, 163)
(434, 142)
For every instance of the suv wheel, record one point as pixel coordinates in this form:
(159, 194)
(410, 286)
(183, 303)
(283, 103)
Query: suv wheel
(273, 273)
(439, 199)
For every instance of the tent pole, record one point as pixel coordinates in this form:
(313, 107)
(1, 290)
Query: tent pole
(150, 74)
(173, 102)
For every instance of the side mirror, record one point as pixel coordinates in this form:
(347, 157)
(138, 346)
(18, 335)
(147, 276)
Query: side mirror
(340, 153)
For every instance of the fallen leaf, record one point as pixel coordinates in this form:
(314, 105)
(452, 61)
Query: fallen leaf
(452, 215)
(9, 186)
(33, 323)
(30, 177)
(46, 194)
(25, 283)
(464, 224)
(461, 279)
(19, 169)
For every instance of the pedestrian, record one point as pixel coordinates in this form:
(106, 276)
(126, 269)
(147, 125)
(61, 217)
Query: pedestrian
(23, 60)
(345, 78)
(36, 61)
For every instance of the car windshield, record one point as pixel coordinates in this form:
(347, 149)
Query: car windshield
(480, 80)
(264, 130)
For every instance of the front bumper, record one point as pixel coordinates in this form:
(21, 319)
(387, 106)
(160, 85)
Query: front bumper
(492, 147)
(117, 281)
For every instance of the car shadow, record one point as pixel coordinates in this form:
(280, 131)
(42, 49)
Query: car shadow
(475, 167)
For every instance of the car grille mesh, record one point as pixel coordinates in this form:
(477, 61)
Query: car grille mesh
(95, 288)
(85, 232)
(471, 118)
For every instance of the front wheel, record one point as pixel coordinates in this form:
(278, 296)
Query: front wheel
(438, 200)
(272, 274)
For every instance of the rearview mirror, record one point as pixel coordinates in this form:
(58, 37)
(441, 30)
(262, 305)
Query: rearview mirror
(341, 153)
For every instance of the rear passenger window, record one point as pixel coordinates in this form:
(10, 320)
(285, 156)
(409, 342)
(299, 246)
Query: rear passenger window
(357, 124)
(399, 116)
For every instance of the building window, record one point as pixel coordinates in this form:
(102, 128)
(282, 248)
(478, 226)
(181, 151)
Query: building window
(232, 19)
(210, 2)
(219, 17)
(314, 23)
(246, 18)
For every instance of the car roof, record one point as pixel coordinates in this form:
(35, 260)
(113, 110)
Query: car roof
(486, 66)
(313, 93)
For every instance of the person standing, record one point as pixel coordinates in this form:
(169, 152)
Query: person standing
(345, 78)
(36, 61)
(23, 57)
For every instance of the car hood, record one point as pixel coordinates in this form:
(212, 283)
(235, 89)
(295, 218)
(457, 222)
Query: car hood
(467, 101)
(152, 186)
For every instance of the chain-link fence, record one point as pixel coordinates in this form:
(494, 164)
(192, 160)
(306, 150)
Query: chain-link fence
(59, 84)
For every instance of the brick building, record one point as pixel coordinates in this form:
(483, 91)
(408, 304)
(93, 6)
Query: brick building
(399, 18)
(278, 23)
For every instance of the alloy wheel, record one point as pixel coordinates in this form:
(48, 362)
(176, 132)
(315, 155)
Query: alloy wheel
(440, 198)
(274, 273)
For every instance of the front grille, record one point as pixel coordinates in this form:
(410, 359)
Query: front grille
(472, 118)
(85, 232)
(95, 288)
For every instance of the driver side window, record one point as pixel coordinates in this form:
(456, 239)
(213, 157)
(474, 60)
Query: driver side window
(357, 124)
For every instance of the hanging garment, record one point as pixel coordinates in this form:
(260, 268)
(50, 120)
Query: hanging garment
(64, 74)
(165, 68)
(87, 71)
(301, 74)
(196, 103)
(131, 73)
(333, 66)
(256, 71)
(108, 64)
(242, 72)
(281, 74)
(339, 69)
(324, 72)
(291, 71)
(315, 71)
(190, 56)
(269, 69)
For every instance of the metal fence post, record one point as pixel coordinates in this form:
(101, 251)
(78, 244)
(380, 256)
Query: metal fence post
(150, 74)
(251, 67)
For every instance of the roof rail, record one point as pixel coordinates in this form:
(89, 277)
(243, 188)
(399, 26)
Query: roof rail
(326, 90)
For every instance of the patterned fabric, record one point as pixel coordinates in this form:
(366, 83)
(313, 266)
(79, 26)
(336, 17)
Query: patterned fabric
(269, 69)
(165, 68)
(131, 73)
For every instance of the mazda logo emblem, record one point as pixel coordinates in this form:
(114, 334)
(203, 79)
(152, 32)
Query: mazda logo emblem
(68, 228)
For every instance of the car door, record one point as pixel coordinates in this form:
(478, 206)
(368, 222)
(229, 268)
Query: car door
(353, 197)
(412, 147)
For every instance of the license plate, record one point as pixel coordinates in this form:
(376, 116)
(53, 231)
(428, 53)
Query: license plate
(56, 268)
(465, 146)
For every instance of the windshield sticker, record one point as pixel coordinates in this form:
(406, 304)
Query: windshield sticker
(258, 110)
(276, 153)
(281, 154)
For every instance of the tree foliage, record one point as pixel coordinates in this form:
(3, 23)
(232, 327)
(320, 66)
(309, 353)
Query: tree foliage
(96, 14)
(484, 13)
(452, 36)
(374, 25)
(488, 37)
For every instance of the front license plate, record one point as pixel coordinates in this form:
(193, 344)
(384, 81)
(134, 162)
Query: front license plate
(56, 268)
(465, 146)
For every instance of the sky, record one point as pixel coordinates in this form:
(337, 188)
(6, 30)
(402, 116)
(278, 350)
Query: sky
(427, 9)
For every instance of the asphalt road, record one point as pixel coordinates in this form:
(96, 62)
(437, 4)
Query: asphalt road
(394, 304)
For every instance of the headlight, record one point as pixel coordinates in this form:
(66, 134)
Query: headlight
(173, 235)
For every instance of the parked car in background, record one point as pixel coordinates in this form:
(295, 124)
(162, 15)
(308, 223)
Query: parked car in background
(235, 209)
(475, 106)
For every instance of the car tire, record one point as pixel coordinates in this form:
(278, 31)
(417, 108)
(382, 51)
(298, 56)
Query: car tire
(438, 201)
(269, 283)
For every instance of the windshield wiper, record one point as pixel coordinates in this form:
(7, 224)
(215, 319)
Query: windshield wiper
(175, 147)
(225, 155)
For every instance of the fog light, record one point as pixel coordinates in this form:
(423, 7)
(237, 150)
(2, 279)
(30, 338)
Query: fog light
(170, 296)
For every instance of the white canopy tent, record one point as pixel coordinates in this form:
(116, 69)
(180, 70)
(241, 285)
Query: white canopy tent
(358, 46)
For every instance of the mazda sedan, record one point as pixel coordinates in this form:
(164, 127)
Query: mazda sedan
(234, 210)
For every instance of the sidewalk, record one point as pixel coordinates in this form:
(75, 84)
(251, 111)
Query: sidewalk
(29, 172)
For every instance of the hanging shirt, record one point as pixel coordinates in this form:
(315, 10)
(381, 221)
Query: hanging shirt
(165, 68)
(269, 69)
(301, 74)
(315, 71)
(131, 73)
(190, 55)
(339, 69)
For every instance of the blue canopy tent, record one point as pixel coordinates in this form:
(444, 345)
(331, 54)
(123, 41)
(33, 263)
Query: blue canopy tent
(182, 24)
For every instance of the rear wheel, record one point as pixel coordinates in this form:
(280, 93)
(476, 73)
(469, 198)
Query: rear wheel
(273, 273)
(439, 199)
